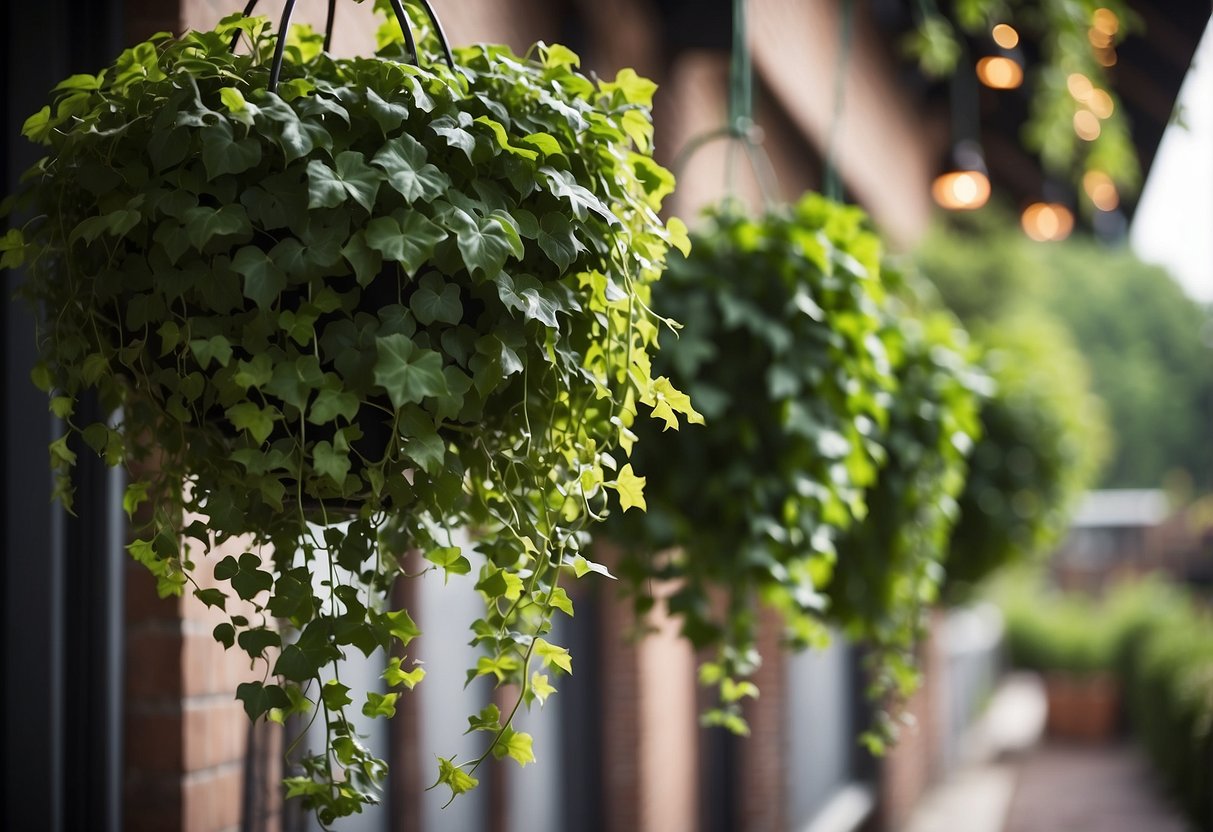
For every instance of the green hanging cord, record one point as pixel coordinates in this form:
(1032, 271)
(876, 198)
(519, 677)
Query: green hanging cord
(846, 26)
(740, 81)
(740, 95)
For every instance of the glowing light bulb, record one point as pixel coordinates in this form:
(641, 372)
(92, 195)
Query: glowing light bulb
(1086, 125)
(1101, 189)
(1005, 36)
(1100, 103)
(1080, 86)
(999, 73)
(961, 190)
(1047, 221)
(1105, 21)
(1100, 40)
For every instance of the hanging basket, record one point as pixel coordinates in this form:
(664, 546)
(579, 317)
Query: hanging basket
(405, 292)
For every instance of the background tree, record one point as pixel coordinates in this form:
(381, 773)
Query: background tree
(1146, 343)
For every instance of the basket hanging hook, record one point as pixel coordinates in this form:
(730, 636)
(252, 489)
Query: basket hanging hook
(397, 9)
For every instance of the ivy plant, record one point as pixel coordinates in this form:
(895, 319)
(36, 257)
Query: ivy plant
(890, 563)
(340, 318)
(824, 480)
(782, 352)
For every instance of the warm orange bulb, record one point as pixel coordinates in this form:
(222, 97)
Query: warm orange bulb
(1100, 40)
(1100, 103)
(1105, 57)
(1086, 125)
(1106, 21)
(1101, 189)
(999, 73)
(1079, 86)
(1005, 36)
(1047, 221)
(961, 190)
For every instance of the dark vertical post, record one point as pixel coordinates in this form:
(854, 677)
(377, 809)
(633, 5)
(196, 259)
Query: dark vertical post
(62, 580)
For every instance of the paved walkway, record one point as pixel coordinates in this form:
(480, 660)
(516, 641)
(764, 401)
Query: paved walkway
(1089, 788)
(1012, 781)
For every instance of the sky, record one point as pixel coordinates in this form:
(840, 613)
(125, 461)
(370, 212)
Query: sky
(1173, 225)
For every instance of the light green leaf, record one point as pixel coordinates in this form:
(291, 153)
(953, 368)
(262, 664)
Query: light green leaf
(395, 675)
(515, 745)
(455, 778)
(553, 655)
(380, 704)
(630, 488)
(450, 559)
(401, 626)
(541, 687)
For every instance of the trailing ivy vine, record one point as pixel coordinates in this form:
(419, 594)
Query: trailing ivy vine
(342, 319)
(818, 405)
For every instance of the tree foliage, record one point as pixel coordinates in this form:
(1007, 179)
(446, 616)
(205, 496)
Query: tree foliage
(1145, 342)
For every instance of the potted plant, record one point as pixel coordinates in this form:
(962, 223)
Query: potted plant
(792, 355)
(1072, 641)
(341, 307)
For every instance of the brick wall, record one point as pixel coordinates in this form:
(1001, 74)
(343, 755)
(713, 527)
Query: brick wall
(912, 764)
(763, 755)
(186, 735)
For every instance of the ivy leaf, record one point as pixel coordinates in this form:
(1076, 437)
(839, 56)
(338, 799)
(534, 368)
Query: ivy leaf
(553, 655)
(353, 178)
(258, 698)
(666, 401)
(263, 280)
(516, 745)
(454, 778)
(583, 201)
(223, 153)
(330, 404)
(422, 444)
(582, 566)
(203, 224)
(403, 159)
(558, 242)
(395, 675)
(256, 641)
(409, 242)
(630, 488)
(489, 719)
(258, 421)
(335, 695)
(333, 463)
(436, 301)
(541, 687)
(225, 634)
(407, 372)
(485, 243)
(450, 560)
(211, 597)
(401, 626)
(380, 704)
